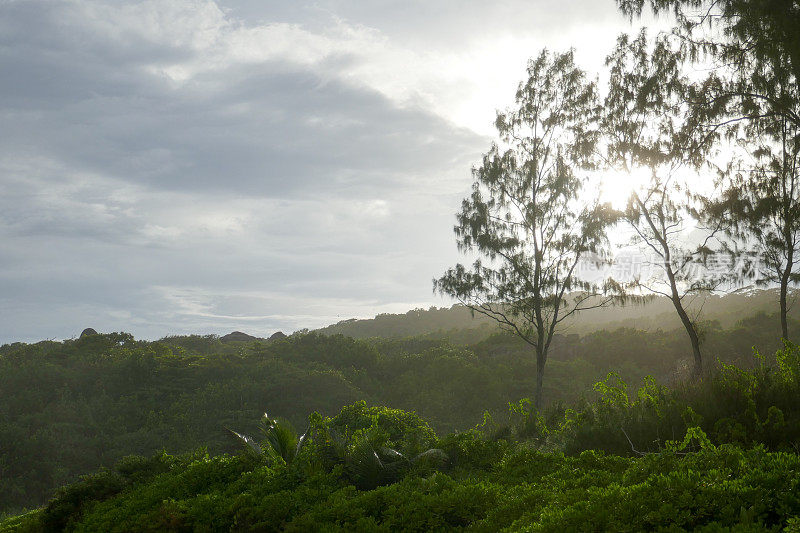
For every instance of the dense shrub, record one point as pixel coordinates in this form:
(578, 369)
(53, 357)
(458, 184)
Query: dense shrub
(713, 489)
(404, 430)
(760, 405)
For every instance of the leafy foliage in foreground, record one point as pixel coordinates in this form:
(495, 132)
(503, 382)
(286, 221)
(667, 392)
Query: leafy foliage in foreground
(522, 489)
(381, 469)
(748, 407)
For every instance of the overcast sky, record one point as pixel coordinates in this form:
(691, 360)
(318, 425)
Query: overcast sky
(190, 166)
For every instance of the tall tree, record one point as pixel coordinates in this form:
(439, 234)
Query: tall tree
(753, 47)
(529, 217)
(760, 206)
(646, 126)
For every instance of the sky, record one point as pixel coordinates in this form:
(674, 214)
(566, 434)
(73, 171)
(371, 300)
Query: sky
(194, 166)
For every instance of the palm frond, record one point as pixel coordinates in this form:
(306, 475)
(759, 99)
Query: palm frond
(248, 442)
(281, 437)
(365, 468)
(300, 442)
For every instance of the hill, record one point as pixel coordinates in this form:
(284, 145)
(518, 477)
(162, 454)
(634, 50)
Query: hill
(74, 406)
(604, 465)
(460, 326)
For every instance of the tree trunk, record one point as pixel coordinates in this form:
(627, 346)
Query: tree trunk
(687, 324)
(540, 360)
(785, 275)
(693, 337)
(784, 321)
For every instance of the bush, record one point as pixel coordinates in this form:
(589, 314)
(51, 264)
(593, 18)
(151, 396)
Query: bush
(404, 430)
(69, 502)
(525, 489)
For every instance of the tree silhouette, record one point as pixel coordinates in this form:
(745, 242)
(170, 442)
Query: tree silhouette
(647, 124)
(752, 94)
(529, 217)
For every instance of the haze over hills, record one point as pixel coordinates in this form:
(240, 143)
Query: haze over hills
(461, 326)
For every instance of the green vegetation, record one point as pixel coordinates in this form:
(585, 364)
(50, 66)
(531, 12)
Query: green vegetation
(74, 406)
(731, 465)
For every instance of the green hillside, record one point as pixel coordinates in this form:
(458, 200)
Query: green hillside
(607, 464)
(74, 406)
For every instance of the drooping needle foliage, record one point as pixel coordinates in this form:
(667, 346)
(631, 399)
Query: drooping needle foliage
(530, 218)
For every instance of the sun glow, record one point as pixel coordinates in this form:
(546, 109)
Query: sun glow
(616, 186)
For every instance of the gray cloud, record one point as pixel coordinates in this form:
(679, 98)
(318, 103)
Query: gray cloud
(193, 167)
(268, 128)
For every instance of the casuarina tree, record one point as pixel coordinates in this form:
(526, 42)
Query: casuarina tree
(751, 51)
(530, 219)
(648, 126)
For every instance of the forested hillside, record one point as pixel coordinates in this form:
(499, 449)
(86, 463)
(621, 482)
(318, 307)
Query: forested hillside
(70, 407)
(717, 454)
(460, 326)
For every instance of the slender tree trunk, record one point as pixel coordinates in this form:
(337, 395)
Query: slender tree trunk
(788, 181)
(661, 235)
(687, 324)
(784, 290)
(693, 337)
(540, 361)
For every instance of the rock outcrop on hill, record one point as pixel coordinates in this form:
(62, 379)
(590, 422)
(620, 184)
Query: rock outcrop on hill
(238, 336)
(87, 332)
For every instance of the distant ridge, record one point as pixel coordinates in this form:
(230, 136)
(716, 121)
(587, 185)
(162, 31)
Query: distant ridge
(459, 325)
